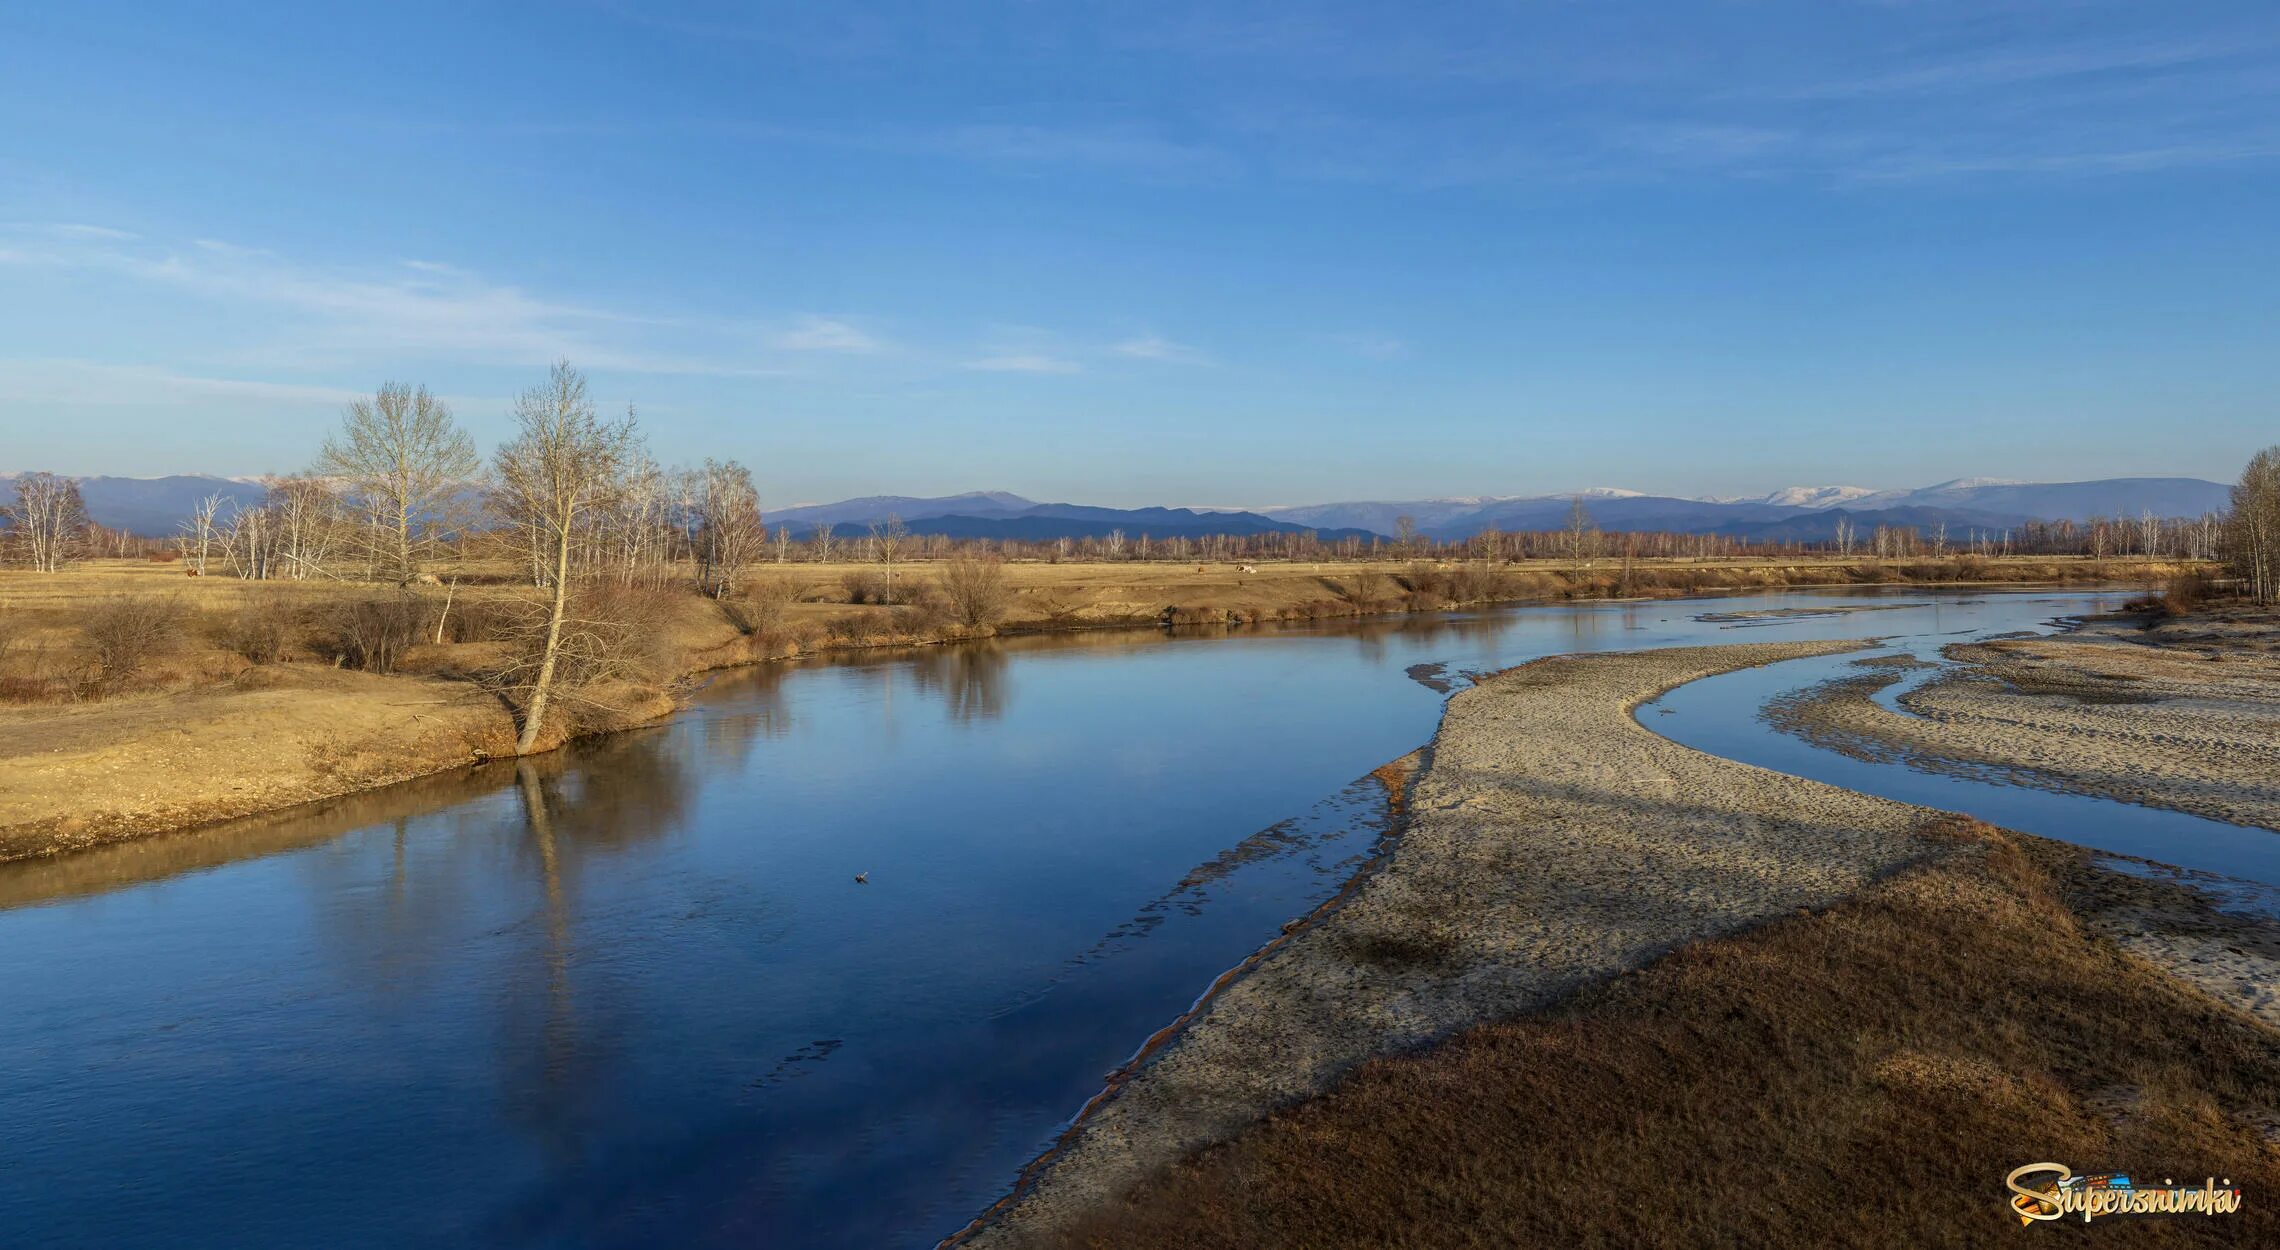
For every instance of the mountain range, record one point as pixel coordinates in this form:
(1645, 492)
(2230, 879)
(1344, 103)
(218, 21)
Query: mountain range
(158, 505)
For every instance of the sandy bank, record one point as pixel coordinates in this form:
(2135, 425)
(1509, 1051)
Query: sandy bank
(2195, 728)
(1552, 844)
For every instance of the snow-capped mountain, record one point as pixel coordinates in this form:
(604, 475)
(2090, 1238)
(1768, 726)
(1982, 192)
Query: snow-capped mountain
(1812, 496)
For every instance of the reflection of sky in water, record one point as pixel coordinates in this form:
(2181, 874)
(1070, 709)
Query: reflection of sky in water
(631, 994)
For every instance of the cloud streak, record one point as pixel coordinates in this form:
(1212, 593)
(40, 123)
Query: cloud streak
(1024, 362)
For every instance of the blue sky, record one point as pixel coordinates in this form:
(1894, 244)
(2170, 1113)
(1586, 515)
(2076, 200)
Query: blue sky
(1160, 253)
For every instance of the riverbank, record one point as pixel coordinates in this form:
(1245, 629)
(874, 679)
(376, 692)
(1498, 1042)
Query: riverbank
(1766, 1010)
(2169, 713)
(209, 735)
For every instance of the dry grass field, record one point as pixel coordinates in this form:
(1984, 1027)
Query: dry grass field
(215, 696)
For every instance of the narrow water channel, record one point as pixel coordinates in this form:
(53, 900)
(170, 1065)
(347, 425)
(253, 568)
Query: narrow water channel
(633, 994)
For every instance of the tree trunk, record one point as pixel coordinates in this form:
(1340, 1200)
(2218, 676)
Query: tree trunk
(536, 714)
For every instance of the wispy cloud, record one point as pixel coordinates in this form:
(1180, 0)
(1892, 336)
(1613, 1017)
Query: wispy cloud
(101, 384)
(419, 310)
(1025, 362)
(68, 230)
(1982, 70)
(825, 334)
(1156, 347)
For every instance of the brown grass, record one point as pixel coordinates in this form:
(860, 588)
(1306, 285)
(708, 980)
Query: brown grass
(1862, 1077)
(228, 625)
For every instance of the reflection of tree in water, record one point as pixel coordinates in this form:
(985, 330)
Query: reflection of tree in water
(1463, 627)
(969, 678)
(740, 708)
(409, 907)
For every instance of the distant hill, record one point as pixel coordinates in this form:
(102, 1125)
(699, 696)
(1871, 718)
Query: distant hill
(152, 505)
(869, 508)
(1045, 522)
(157, 506)
(1963, 502)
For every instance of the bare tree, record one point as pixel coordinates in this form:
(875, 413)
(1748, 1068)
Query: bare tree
(1582, 536)
(1844, 536)
(48, 521)
(729, 532)
(1405, 532)
(403, 459)
(200, 530)
(2252, 533)
(308, 525)
(889, 538)
(974, 584)
(561, 469)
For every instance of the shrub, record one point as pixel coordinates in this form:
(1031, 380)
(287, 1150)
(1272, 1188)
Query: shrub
(2185, 592)
(864, 586)
(927, 613)
(974, 590)
(259, 631)
(760, 608)
(374, 633)
(124, 634)
(478, 620)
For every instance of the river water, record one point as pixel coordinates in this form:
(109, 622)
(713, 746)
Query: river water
(633, 993)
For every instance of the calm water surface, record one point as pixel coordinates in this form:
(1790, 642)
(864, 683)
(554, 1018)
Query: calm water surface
(632, 995)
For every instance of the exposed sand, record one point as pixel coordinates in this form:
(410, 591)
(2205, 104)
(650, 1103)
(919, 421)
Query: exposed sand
(1552, 844)
(2178, 923)
(2195, 728)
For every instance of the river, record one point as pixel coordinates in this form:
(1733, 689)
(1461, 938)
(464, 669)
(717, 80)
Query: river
(634, 993)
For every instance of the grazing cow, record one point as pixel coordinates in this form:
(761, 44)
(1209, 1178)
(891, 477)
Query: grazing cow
(189, 572)
(1247, 568)
(428, 579)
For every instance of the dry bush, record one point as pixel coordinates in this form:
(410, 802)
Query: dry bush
(261, 630)
(927, 614)
(1366, 591)
(479, 620)
(124, 634)
(374, 633)
(974, 588)
(851, 627)
(760, 608)
(2185, 593)
(864, 586)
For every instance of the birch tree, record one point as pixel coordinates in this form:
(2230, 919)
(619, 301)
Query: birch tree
(561, 470)
(48, 521)
(888, 540)
(2252, 533)
(401, 457)
(729, 532)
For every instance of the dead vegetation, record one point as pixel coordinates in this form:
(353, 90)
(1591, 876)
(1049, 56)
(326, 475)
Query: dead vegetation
(234, 634)
(1861, 1077)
